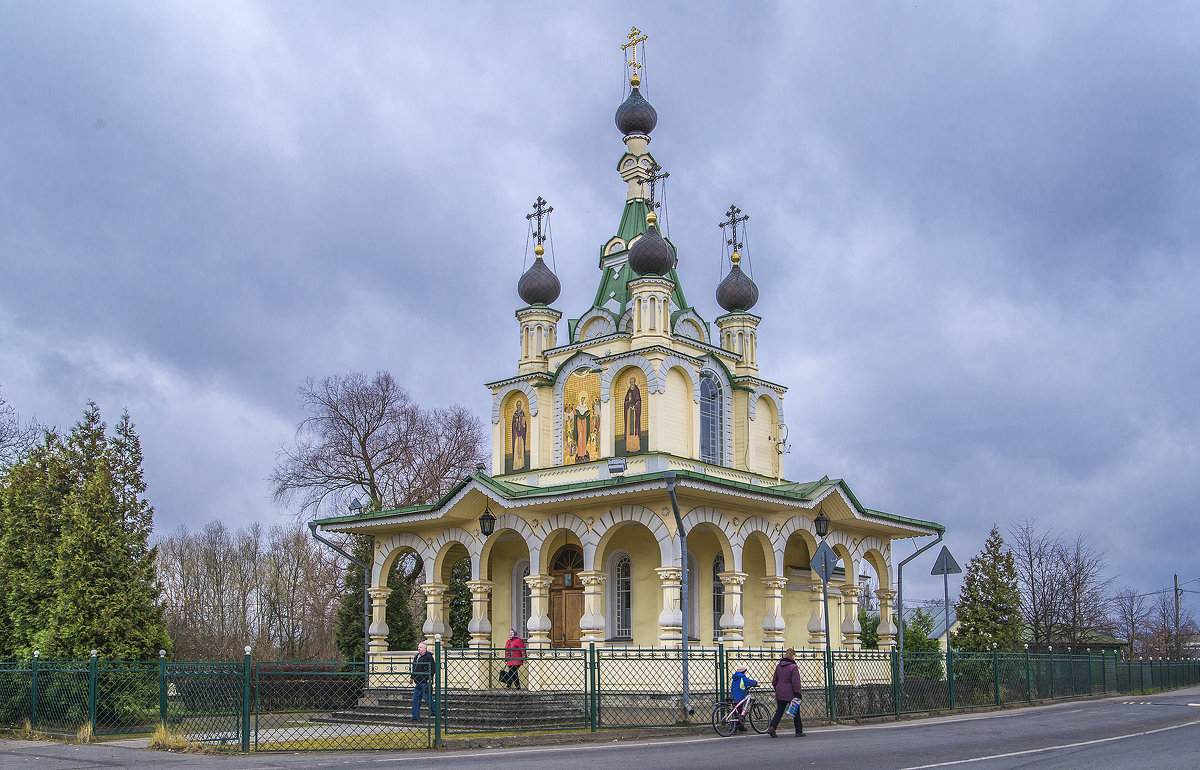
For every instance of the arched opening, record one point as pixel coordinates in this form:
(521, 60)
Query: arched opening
(566, 596)
(456, 571)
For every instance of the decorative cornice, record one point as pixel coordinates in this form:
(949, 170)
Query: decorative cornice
(520, 378)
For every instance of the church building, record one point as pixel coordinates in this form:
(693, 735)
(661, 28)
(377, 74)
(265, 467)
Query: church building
(570, 533)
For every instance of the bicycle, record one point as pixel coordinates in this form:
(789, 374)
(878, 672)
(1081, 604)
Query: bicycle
(725, 716)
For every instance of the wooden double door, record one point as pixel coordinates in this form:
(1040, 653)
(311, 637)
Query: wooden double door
(566, 596)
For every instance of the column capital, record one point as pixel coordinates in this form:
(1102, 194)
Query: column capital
(774, 583)
(538, 582)
(669, 574)
(733, 578)
(480, 588)
(434, 590)
(850, 591)
(885, 595)
(379, 594)
(593, 578)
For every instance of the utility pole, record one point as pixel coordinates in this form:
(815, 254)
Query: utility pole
(1178, 636)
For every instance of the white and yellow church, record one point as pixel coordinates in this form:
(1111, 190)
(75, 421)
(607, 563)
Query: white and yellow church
(570, 534)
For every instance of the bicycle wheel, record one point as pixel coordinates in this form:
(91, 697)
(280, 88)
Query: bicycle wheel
(759, 718)
(721, 721)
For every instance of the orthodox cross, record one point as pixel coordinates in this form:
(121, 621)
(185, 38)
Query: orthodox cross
(635, 36)
(654, 177)
(540, 210)
(732, 223)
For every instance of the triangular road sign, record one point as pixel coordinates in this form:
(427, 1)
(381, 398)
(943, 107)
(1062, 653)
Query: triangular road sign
(823, 561)
(945, 564)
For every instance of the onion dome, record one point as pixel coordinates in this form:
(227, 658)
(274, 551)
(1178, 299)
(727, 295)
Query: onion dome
(636, 115)
(737, 293)
(539, 285)
(651, 254)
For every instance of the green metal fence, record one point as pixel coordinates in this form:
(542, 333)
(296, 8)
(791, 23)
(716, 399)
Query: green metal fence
(249, 705)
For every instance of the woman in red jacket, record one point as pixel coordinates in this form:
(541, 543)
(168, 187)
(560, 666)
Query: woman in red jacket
(514, 656)
(787, 686)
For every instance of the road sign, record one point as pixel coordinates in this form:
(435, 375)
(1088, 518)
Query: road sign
(945, 564)
(824, 561)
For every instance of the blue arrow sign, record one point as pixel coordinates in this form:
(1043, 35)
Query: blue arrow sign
(823, 561)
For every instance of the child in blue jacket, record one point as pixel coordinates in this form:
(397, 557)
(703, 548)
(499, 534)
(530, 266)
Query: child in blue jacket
(741, 683)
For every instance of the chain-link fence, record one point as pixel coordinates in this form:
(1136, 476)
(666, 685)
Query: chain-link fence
(297, 706)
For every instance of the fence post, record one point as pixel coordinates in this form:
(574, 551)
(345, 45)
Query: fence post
(439, 702)
(1053, 689)
(949, 671)
(162, 686)
(93, 676)
(246, 701)
(996, 671)
(896, 680)
(722, 672)
(1028, 678)
(33, 690)
(590, 683)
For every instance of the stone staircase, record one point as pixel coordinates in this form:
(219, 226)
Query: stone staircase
(471, 710)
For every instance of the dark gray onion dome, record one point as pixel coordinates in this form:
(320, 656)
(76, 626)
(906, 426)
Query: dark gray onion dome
(737, 293)
(539, 285)
(651, 254)
(636, 115)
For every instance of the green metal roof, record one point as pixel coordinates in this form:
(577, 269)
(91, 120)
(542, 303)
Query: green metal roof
(790, 491)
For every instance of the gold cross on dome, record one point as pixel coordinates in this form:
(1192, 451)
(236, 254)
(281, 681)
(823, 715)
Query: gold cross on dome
(635, 36)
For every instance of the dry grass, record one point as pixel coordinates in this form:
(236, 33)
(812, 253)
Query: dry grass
(27, 733)
(167, 739)
(85, 734)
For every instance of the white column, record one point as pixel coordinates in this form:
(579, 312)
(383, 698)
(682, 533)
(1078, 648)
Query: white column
(670, 620)
(816, 623)
(592, 623)
(733, 624)
(480, 626)
(887, 625)
(773, 624)
(851, 628)
(434, 611)
(379, 627)
(539, 610)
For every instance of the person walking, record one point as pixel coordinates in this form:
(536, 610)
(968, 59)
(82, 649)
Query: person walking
(514, 656)
(422, 673)
(786, 681)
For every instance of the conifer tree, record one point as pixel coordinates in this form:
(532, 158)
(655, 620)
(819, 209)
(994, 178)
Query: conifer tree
(989, 604)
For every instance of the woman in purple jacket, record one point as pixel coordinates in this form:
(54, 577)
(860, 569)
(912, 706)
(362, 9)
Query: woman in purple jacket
(787, 686)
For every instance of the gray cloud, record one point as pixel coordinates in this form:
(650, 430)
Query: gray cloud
(972, 228)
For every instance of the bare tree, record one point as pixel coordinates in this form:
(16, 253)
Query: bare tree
(15, 436)
(1038, 578)
(1084, 591)
(276, 591)
(367, 436)
(1129, 615)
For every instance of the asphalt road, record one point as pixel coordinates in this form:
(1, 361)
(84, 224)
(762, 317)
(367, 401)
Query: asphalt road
(1162, 731)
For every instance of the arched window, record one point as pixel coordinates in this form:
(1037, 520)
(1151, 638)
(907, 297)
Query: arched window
(621, 596)
(520, 598)
(710, 420)
(718, 595)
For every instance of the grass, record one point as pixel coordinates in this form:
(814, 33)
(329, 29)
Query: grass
(166, 738)
(360, 742)
(85, 734)
(26, 733)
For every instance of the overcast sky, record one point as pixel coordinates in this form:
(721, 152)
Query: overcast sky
(974, 228)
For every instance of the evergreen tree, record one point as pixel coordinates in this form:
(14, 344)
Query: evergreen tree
(458, 609)
(920, 650)
(870, 629)
(403, 632)
(31, 506)
(989, 604)
(77, 569)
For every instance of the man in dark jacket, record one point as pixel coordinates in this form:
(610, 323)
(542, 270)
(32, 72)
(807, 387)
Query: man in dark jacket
(786, 681)
(422, 673)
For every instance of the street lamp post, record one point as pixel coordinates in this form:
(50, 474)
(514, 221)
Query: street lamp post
(822, 527)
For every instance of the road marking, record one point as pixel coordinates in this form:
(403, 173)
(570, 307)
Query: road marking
(1052, 748)
(512, 750)
(1194, 704)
